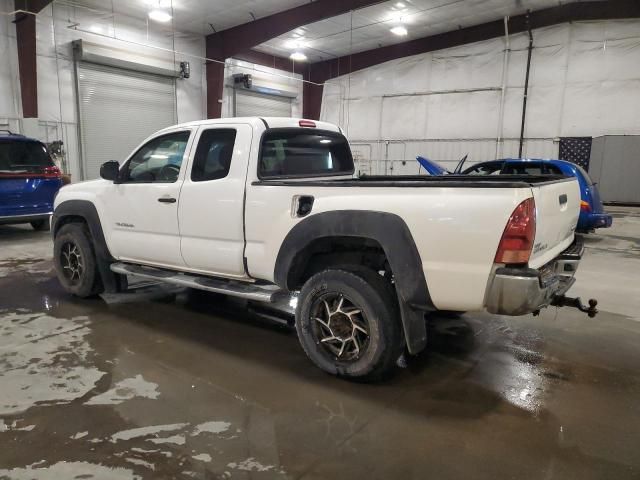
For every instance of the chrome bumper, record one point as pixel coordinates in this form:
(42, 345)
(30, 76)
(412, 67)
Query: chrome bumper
(519, 291)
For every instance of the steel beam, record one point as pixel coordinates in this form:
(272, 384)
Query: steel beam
(227, 43)
(238, 41)
(25, 22)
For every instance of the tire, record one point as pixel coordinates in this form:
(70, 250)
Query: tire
(40, 225)
(328, 340)
(75, 261)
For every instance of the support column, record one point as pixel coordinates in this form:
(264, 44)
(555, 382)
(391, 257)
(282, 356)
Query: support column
(215, 86)
(27, 63)
(311, 100)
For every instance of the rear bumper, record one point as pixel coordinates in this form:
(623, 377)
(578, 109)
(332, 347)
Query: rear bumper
(15, 219)
(519, 291)
(594, 220)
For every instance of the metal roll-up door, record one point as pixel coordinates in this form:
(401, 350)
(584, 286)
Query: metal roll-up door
(119, 108)
(252, 104)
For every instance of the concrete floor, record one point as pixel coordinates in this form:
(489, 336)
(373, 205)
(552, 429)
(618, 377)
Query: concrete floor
(162, 387)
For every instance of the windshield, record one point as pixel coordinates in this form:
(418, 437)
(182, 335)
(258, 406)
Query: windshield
(20, 156)
(304, 153)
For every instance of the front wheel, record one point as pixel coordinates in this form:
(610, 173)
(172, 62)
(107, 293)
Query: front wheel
(75, 261)
(347, 323)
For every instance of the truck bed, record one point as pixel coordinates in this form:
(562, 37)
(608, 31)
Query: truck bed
(413, 181)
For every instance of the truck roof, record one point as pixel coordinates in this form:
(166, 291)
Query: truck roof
(271, 122)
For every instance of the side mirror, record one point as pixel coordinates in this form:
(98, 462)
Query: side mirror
(110, 170)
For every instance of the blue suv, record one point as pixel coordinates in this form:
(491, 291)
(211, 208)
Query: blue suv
(29, 181)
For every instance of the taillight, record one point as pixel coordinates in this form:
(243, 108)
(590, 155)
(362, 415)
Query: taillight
(584, 206)
(307, 123)
(52, 172)
(517, 239)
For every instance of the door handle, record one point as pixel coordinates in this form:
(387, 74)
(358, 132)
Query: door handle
(167, 200)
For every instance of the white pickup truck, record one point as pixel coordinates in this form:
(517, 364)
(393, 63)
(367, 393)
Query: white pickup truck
(258, 207)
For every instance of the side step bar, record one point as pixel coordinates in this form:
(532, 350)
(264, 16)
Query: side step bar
(248, 291)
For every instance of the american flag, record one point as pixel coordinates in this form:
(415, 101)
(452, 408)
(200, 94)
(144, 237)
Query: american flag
(576, 150)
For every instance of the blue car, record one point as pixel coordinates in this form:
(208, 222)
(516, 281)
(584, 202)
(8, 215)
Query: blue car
(29, 181)
(592, 214)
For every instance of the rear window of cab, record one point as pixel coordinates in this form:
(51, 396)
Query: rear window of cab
(297, 153)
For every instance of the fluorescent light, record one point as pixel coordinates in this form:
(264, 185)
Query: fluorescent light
(400, 31)
(159, 16)
(298, 56)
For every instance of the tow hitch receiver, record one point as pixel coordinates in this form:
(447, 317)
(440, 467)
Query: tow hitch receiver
(564, 301)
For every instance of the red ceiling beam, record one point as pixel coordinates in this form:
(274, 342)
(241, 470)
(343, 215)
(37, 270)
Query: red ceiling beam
(578, 11)
(228, 43)
(239, 40)
(25, 22)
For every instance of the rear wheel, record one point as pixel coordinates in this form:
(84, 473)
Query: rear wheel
(347, 323)
(40, 225)
(75, 261)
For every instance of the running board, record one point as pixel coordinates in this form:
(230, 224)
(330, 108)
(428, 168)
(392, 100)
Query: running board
(233, 288)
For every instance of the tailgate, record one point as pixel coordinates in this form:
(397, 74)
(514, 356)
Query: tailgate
(557, 211)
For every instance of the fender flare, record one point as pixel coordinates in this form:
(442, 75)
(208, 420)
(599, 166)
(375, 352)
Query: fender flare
(392, 233)
(88, 212)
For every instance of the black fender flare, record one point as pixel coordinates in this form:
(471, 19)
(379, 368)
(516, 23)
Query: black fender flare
(88, 212)
(392, 233)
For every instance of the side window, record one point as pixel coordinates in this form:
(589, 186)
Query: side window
(158, 161)
(213, 155)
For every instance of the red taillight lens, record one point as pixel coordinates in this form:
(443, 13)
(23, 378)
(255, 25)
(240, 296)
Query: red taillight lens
(307, 123)
(517, 239)
(584, 206)
(52, 172)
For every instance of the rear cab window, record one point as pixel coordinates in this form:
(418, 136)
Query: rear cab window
(302, 153)
(23, 156)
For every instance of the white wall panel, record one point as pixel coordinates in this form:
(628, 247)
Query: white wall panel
(363, 118)
(121, 37)
(585, 80)
(463, 115)
(408, 114)
(10, 105)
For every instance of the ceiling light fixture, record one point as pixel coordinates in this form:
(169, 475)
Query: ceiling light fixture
(298, 57)
(400, 31)
(159, 16)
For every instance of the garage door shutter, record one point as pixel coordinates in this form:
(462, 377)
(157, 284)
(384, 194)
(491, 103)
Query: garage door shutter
(252, 104)
(118, 109)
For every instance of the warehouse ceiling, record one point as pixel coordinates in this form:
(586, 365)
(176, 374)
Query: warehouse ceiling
(360, 30)
(370, 27)
(190, 16)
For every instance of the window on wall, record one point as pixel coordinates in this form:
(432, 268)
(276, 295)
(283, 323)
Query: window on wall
(213, 155)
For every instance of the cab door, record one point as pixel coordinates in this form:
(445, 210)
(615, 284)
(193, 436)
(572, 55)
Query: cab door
(143, 204)
(211, 207)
